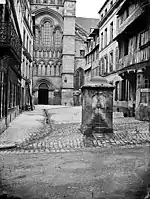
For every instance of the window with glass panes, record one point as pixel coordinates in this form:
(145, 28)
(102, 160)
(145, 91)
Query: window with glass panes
(116, 91)
(144, 97)
(111, 31)
(138, 81)
(106, 63)
(146, 82)
(102, 40)
(102, 66)
(47, 35)
(58, 38)
(27, 43)
(14, 94)
(97, 53)
(10, 94)
(144, 37)
(111, 62)
(105, 37)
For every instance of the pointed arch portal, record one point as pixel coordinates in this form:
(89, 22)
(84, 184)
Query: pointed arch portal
(43, 94)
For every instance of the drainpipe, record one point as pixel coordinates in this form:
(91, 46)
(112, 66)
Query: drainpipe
(6, 95)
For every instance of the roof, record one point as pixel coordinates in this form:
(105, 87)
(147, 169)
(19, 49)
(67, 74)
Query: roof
(87, 23)
(105, 3)
(94, 31)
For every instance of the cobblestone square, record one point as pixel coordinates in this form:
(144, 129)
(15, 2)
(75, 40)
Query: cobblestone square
(57, 157)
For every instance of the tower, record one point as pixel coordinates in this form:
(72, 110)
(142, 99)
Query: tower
(68, 54)
(47, 65)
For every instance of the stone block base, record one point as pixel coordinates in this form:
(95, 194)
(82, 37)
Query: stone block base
(103, 130)
(89, 130)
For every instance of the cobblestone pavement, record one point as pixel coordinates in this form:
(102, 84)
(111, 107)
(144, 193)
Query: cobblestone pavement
(62, 134)
(58, 162)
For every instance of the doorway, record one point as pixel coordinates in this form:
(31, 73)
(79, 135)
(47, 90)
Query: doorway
(43, 94)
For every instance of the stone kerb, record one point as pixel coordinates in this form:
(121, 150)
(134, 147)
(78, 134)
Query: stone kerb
(97, 107)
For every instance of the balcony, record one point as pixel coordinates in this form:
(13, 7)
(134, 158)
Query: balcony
(136, 58)
(9, 41)
(134, 16)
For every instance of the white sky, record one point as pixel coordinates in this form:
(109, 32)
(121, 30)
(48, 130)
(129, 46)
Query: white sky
(88, 8)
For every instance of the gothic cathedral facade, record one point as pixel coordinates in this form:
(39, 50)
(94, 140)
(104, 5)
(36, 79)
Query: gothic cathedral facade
(58, 51)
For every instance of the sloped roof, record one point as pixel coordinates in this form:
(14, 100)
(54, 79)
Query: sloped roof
(87, 23)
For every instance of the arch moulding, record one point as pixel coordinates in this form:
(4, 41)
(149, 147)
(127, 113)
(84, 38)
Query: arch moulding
(45, 81)
(50, 12)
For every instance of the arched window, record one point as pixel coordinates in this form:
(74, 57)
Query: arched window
(41, 69)
(46, 70)
(59, 69)
(37, 68)
(54, 70)
(50, 71)
(36, 36)
(47, 37)
(58, 38)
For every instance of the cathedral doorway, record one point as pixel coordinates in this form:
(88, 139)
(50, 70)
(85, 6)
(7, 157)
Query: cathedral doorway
(43, 94)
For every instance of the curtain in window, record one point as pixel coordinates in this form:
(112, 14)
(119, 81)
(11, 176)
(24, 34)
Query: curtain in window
(47, 37)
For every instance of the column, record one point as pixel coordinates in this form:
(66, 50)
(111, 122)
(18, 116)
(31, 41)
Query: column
(39, 70)
(68, 55)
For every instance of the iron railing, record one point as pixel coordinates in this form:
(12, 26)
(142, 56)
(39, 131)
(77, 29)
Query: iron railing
(10, 39)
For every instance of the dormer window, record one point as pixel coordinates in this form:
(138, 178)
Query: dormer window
(111, 4)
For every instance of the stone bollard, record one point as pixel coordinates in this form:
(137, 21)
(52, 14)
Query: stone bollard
(97, 107)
